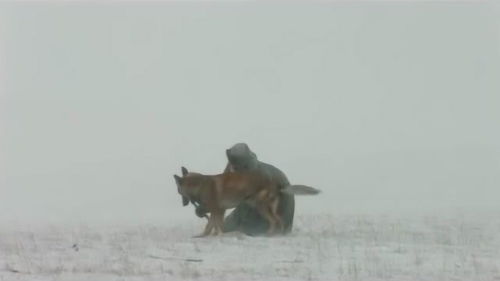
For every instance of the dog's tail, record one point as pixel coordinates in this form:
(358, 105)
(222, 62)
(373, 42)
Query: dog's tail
(298, 189)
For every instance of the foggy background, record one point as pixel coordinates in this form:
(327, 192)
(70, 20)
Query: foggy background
(386, 107)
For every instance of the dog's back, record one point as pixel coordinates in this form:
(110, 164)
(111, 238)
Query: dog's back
(233, 188)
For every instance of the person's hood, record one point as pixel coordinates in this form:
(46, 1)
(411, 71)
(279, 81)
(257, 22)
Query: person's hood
(241, 157)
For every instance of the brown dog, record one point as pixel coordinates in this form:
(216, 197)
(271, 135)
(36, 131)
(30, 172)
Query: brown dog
(217, 193)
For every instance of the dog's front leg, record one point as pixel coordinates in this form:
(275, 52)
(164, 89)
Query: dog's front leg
(216, 218)
(219, 222)
(208, 228)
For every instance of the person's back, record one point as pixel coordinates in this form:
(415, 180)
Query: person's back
(245, 218)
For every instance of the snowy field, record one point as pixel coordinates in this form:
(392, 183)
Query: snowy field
(322, 247)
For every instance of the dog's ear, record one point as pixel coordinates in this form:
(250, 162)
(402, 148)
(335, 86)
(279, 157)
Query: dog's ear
(184, 171)
(185, 201)
(177, 179)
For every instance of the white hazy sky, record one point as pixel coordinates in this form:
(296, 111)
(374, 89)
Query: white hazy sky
(384, 106)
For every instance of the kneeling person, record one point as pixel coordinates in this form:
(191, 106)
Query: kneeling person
(245, 218)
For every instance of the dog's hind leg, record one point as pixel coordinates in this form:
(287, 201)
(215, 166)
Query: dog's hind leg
(265, 211)
(274, 212)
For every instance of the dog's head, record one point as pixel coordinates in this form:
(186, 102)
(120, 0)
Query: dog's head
(180, 183)
(187, 185)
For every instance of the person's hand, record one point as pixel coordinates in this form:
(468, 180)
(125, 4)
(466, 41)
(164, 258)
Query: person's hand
(201, 212)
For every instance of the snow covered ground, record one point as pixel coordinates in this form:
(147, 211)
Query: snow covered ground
(322, 247)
